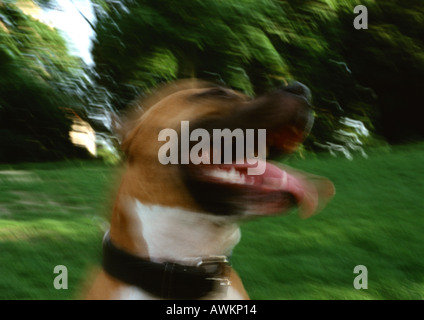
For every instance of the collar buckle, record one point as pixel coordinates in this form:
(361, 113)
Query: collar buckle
(218, 267)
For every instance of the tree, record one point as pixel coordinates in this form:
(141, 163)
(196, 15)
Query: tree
(142, 43)
(253, 46)
(256, 45)
(36, 73)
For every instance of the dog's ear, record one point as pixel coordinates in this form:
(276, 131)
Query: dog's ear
(129, 125)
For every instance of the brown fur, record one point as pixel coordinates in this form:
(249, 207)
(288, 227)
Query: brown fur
(144, 176)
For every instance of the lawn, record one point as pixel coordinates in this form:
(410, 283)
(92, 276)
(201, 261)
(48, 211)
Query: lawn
(56, 213)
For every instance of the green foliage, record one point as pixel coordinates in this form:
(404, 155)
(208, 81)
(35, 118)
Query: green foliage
(256, 45)
(252, 46)
(35, 70)
(359, 78)
(213, 39)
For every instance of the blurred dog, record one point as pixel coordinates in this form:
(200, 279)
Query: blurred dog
(174, 226)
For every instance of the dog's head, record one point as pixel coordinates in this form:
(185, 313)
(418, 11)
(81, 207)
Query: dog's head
(207, 148)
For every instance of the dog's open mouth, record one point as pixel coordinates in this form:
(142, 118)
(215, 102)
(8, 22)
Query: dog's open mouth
(277, 190)
(229, 189)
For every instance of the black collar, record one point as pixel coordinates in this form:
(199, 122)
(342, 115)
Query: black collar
(166, 280)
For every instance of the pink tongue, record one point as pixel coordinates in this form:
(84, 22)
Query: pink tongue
(311, 192)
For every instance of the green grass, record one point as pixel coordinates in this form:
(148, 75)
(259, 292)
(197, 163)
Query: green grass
(51, 214)
(58, 213)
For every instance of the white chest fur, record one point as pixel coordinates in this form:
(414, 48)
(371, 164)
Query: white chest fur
(174, 234)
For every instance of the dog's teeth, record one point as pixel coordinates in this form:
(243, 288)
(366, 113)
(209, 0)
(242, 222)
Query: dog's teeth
(241, 179)
(217, 173)
(233, 172)
(232, 175)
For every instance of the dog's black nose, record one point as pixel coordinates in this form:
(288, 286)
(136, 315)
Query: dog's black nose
(300, 90)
